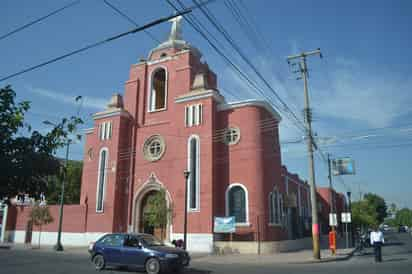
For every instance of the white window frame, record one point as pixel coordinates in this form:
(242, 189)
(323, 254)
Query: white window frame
(109, 130)
(246, 203)
(276, 212)
(105, 131)
(151, 103)
(101, 131)
(99, 173)
(193, 115)
(197, 208)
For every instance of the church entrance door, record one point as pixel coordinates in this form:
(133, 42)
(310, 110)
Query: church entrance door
(148, 216)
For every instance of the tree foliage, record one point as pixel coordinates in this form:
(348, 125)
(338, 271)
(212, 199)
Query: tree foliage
(379, 204)
(72, 185)
(40, 216)
(404, 217)
(156, 211)
(364, 214)
(26, 156)
(370, 211)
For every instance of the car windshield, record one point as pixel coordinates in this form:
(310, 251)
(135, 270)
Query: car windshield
(150, 240)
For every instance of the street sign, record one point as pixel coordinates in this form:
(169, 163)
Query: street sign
(343, 166)
(346, 217)
(333, 220)
(224, 225)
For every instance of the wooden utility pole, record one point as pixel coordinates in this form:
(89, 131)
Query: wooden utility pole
(310, 144)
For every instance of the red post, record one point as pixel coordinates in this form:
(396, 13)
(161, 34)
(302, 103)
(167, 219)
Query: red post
(332, 241)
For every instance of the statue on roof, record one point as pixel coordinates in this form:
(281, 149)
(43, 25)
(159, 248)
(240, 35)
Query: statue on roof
(176, 31)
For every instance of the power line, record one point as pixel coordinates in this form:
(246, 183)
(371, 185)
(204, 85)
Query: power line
(110, 39)
(195, 24)
(256, 38)
(230, 40)
(125, 16)
(39, 19)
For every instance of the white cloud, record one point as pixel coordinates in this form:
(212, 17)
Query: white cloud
(365, 96)
(88, 102)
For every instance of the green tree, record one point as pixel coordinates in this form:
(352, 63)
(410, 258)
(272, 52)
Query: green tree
(157, 213)
(72, 185)
(378, 203)
(39, 216)
(26, 156)
(404, 217)
(364, 214)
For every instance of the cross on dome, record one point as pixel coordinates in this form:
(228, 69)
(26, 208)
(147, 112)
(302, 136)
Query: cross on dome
(176, 30)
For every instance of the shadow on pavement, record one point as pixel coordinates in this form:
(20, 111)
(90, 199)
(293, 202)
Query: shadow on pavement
(196, 271)
(134, 270)
(393, 244)
(395, 260)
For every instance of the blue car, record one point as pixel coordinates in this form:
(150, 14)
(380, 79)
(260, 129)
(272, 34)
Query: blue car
(141, 251)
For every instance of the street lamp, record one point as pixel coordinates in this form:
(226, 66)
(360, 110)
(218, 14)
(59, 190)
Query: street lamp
(186, 173)
(59, 246)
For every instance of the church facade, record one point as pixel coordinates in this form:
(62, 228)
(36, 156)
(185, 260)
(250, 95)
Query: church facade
(171, 119)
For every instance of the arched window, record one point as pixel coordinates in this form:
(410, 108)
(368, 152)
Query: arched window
(101, 181)
(194, 168)
(237, 203)
(157, 99)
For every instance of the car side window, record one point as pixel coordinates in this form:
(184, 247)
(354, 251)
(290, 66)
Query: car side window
(132, 241)
(113, 240)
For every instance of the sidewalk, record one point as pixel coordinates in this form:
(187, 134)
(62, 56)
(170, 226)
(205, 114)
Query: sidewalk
(298, 257)
(44, 248)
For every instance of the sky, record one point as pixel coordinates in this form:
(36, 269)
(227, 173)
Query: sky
(360, 91)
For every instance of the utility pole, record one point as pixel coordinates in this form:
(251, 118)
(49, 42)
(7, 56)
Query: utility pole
(310, 144)
(332, 206)
(331, 194)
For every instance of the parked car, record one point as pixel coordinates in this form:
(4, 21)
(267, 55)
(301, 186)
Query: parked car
(141, 251)
(403, 228)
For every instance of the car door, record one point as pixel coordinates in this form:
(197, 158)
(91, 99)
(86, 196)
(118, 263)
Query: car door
(111, 247)
(133, 253)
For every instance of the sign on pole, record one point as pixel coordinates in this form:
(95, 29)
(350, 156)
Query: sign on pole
(346, 217)
(224, 225)
(333, 220)
(343, 166)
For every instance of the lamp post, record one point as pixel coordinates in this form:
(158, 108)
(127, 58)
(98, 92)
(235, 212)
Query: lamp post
(186, 173)
(58, 246)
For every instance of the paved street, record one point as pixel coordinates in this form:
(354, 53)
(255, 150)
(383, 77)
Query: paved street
(397, 256)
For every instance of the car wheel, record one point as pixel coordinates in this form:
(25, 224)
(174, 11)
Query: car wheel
(99, 262)
(152, 266)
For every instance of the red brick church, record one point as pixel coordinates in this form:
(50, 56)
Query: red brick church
(173, 118)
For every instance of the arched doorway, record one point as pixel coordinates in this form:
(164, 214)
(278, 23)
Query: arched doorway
(144, 222)
(141, 210)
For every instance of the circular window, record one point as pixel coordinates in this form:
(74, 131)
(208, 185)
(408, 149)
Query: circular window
(154, 148)
(232, 135)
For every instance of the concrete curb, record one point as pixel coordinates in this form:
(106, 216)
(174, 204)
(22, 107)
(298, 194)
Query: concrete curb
(329, 259)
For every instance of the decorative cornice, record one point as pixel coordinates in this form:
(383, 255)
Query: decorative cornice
(111, 112)
(88, 130)
(250, 103)
(197, 95)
